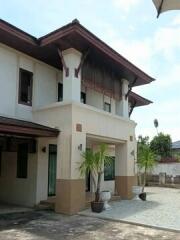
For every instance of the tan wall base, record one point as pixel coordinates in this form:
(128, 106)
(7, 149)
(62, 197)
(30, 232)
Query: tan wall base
(70, 196)
(123, 186)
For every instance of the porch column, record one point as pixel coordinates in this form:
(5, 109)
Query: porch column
(122, 107)
(71, 81)
(70, 186)
(125, 176)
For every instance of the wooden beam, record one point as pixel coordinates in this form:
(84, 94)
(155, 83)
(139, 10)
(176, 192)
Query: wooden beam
(63, 62)
(83, 58)
(132, 108)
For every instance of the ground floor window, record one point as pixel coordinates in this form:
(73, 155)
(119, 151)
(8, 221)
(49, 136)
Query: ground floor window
(22, 160)
(109, 169)
(60, 92)
(107, 107)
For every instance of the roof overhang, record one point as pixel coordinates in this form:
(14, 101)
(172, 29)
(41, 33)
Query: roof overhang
(137, 100)
(11, 126)
(73, 35)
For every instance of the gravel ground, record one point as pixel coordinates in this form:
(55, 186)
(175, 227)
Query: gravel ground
(162, 209)
(50, 226)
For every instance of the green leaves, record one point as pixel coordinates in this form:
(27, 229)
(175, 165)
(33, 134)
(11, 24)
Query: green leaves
(161, 145)
(146, 158)
(93, 163)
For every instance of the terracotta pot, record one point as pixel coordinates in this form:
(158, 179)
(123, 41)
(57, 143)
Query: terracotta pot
(97, 206)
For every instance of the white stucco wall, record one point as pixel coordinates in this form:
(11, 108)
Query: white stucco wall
(45, 80)
(171, 169)
(94, 123)
(21, 191)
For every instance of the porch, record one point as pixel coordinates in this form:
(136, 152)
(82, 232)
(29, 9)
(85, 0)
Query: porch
(20, 147)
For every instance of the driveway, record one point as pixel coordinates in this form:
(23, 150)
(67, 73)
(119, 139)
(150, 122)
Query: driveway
(162, 209)
(50, 226)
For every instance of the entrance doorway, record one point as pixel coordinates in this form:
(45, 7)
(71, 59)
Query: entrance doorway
(52, 165)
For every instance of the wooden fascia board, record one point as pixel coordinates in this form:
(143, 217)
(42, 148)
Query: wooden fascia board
(17, 33)
(27, 131)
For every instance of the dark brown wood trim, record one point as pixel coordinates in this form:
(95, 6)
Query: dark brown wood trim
(83, 58)
(18, 130)
(17, 32)
(132, 108)
(63, 62)
(130, 87)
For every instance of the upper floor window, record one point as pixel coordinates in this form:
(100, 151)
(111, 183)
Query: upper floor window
(60, 92)
(25, 87)
(107, 107)
(83, 97)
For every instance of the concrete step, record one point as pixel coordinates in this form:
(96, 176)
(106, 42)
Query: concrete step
(45, 205)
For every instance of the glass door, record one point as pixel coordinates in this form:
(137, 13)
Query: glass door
(52, 170)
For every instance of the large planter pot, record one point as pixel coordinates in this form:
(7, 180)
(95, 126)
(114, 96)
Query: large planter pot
(105, 196)
(136, 191)
(97, 206)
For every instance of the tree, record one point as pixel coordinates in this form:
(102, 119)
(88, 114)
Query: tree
(143, 140)
(93, 163)
(156, 125)
(161, 145)
(146, 160)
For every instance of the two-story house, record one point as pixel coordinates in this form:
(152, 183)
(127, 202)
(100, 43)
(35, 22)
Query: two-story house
(60, 94)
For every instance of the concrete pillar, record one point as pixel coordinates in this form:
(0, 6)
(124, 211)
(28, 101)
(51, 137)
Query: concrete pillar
(71, 83)
(125, 176)
(122, 107)
(70, 186)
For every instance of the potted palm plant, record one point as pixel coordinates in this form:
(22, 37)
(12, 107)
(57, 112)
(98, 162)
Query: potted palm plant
(146, 161)
(93, 163)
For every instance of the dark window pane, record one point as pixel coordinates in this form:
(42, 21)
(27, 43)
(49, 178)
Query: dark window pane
(25, 87)
(109, 169)
(107, 107)
(60, 92)
(83, 97)
(22, 160)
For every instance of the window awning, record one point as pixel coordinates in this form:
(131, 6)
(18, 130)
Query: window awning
(12, 126)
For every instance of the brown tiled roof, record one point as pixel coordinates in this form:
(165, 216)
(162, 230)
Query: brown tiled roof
(71, 35)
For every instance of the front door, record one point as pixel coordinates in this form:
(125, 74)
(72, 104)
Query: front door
(52, 170)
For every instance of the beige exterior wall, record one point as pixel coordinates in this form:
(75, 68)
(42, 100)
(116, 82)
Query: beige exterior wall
(21, 191)
(95, 122)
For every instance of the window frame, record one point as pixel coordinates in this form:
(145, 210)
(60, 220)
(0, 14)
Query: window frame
(21, 70)
(109, 105)
(58, 97)
(112, 178)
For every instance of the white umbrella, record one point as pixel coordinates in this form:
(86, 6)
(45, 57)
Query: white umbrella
(166, 5)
